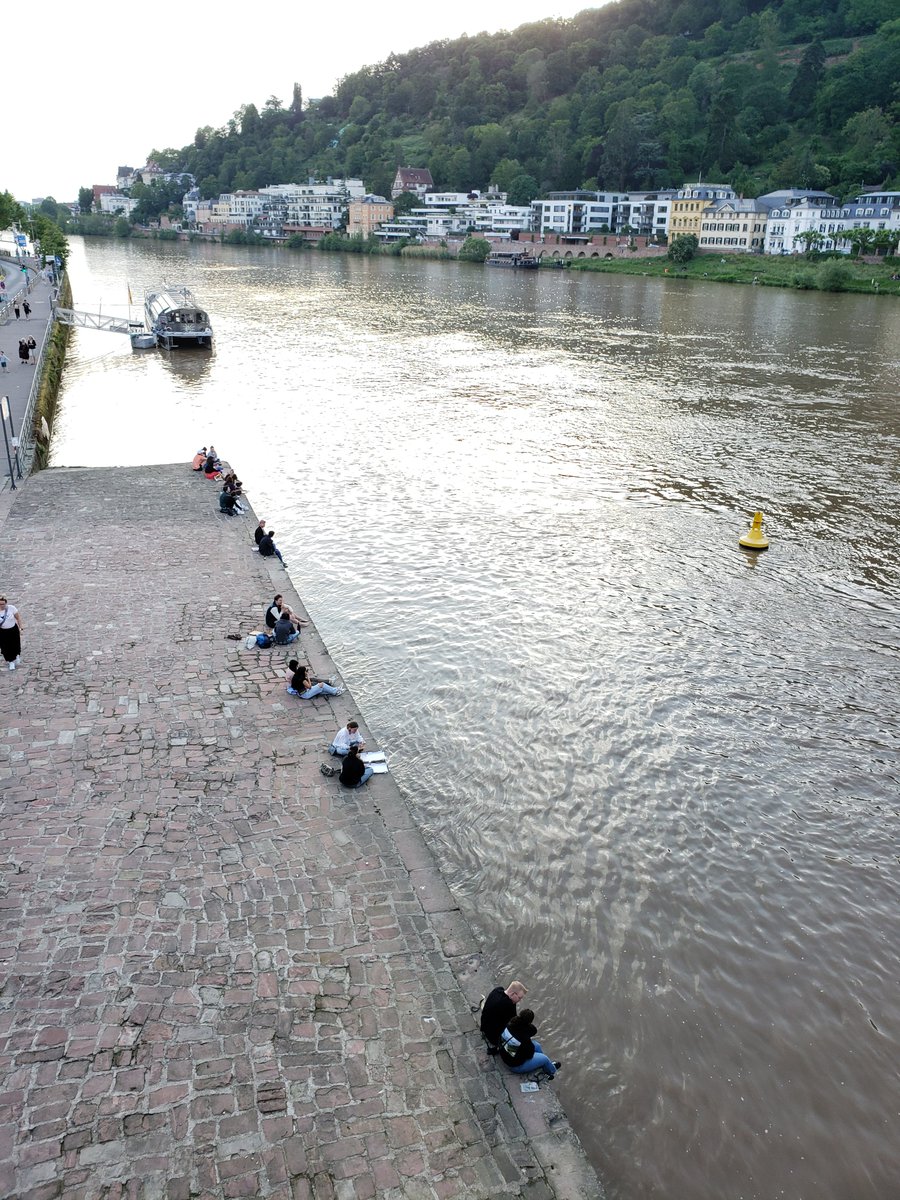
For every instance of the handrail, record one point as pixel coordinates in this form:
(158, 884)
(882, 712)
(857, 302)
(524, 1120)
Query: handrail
(26, 427)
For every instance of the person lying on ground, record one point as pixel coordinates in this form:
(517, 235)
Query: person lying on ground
(346, 737)
(354, 772)
(520, 1053)
(307, 687)
(198, 460)
(267, 547)
(498, 1010)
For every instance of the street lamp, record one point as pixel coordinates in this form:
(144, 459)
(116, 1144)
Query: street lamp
(6, 415)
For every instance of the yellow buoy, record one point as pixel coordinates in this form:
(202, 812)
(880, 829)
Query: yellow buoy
(754, 538)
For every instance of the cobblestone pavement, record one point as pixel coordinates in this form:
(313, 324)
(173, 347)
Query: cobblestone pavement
(222, 975)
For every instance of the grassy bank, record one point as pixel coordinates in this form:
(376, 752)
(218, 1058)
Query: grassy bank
(51, 374)
(838, 274)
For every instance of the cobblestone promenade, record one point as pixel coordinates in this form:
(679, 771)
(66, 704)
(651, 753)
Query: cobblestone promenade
(222, 975)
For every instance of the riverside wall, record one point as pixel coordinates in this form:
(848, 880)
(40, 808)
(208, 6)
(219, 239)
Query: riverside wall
(223, 975)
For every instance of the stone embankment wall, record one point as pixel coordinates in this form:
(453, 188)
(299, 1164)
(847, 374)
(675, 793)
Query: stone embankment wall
(224, 975)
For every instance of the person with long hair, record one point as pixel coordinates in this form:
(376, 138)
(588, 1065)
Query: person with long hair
(10, 633)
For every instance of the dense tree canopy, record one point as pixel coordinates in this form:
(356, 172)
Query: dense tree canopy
(640, 93)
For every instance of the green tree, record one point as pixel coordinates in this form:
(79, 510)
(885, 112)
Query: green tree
(405, 203)
(11, 212)
(474, 249)
(121, 227)
(811, 240)
(802, 94)
(861, 239)
(683, 248)
(85, 199)
(522, 190)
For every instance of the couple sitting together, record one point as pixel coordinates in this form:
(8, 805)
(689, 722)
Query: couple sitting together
(348, 744)
(306, 686)
(511, 1035)
(284, 624)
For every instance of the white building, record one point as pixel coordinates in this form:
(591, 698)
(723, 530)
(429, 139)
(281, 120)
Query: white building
(115, 202)
(644, 213)
(448, 214)
(792, 212)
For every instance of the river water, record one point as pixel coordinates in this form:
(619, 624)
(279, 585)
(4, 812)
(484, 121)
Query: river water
(660, 773)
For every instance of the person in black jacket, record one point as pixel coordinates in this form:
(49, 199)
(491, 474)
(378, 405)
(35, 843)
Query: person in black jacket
(498, 1010)
(354, 772)
(267, 547)
(521, 1053)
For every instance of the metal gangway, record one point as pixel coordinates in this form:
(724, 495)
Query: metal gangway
(86, 320)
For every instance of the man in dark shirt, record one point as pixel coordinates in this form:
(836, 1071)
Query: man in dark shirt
(267, 547)
(259, 532)
(285, 633)
(498, 1010)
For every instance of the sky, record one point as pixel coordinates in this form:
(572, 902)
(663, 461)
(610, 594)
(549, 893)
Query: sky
(114, 86)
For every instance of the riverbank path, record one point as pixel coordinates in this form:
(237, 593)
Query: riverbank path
(222, 974)
(16, 381)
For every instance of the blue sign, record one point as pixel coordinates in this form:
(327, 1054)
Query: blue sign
(21, 239)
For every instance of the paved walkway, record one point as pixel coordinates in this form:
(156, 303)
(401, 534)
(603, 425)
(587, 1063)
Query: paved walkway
(222, 975)
(16, 381)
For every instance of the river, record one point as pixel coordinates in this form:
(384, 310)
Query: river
(660, 773)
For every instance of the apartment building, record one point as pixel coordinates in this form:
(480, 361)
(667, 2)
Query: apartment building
(367, 214)
(688, 205)
(734, 227)
(644, 213)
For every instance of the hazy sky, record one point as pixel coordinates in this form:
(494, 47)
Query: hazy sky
(107, 87)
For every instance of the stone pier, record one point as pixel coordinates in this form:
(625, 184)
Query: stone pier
(222, 974)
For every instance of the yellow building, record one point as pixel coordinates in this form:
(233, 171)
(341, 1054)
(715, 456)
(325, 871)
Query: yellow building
(367, 213)
(688, 204)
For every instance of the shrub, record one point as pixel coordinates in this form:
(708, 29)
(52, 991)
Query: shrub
(833, 276)
(474, 249)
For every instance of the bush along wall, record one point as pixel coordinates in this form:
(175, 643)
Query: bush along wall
(51, 377)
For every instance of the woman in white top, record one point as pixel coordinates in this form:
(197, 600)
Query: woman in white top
(10, 630)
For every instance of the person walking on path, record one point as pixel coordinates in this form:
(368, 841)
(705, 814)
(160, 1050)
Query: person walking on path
(23, 353)
(16, 307)
(32, 346)
(26, 309)
(4, 361)
(10, 633)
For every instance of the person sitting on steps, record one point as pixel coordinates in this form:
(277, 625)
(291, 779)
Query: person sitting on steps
(267, 547)
(276, 608)
(285, 630)
(520, 1052)
(354, 772)
(497, 1010)
(346, 737)
(307, 687)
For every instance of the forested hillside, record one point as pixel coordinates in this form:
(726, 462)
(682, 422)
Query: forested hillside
(637, 94)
